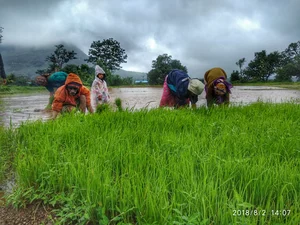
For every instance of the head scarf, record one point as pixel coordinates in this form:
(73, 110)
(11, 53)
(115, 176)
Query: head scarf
(99, 70)
(222, 85)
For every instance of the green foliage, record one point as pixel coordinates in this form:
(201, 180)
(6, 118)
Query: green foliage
(239, 75)
(291, 65)
(86, 74)
(235, 76)
(164, 166)
(263, 65)
(109, 52)
(161, 67)
(7, 151)
(282, 64)
(292, 51)
(13, 89)
(41, 72)
(11, 79)
(113, 79)
(83, 71)
(102, 108)
(5, 88)
(118, 103)
(72, 68)
(60, 57)
(116, 80)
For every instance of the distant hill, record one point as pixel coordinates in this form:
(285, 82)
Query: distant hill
(25, 61)
(134, 75)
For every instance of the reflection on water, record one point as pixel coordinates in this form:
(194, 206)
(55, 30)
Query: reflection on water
(19, 108)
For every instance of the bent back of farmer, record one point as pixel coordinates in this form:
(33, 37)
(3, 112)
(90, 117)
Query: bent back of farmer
(179, 89)
(56, 80)
(51, 83)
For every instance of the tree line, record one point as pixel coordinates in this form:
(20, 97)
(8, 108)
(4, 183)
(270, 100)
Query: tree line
(282, 65)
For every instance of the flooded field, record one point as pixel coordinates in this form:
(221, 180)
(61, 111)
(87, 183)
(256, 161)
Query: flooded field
(18, 108)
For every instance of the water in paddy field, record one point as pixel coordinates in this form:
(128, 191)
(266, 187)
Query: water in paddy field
(22, 107)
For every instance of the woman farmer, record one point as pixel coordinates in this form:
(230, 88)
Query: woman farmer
(180, 90)
(216, 86)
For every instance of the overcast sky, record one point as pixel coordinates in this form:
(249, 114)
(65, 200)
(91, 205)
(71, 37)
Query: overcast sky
(200, 33)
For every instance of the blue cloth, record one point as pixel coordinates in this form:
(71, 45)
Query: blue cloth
(178, 82)
(55, 80)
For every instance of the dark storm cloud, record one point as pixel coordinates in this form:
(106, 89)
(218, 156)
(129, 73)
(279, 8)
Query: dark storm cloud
(201, 34)
(30, 8)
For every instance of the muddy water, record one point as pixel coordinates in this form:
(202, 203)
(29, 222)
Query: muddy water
(18, 108)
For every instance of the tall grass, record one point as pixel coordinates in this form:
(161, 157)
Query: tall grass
(7, 152)
(167, 166)
(13, 89)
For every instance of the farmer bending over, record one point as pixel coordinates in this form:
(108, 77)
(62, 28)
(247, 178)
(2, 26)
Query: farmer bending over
(71, 95)
(51, 82)
(216, 87)
(179, 90)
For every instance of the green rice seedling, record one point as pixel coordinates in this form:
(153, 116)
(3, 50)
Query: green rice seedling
(102, 107)
(118, 103)
(234, 165)
(7, 152)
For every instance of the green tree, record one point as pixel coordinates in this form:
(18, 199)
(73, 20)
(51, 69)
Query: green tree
(114, 80)
(292, 51)
(127, 81)
(60, 57)
(109, 52)
(11, 78)
(71, 68)
(240, 64)
(41, 72)
(287, 71)
(235, 76)
(83, 71)
(263, 65)
(85, 74)
(291, 63)
(161, 67)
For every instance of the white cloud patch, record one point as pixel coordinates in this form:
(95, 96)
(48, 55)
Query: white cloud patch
(247, 24)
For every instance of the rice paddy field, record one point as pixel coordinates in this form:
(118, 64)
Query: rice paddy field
(224, 165)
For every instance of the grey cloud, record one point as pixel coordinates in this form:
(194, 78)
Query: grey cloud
(201, 34)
